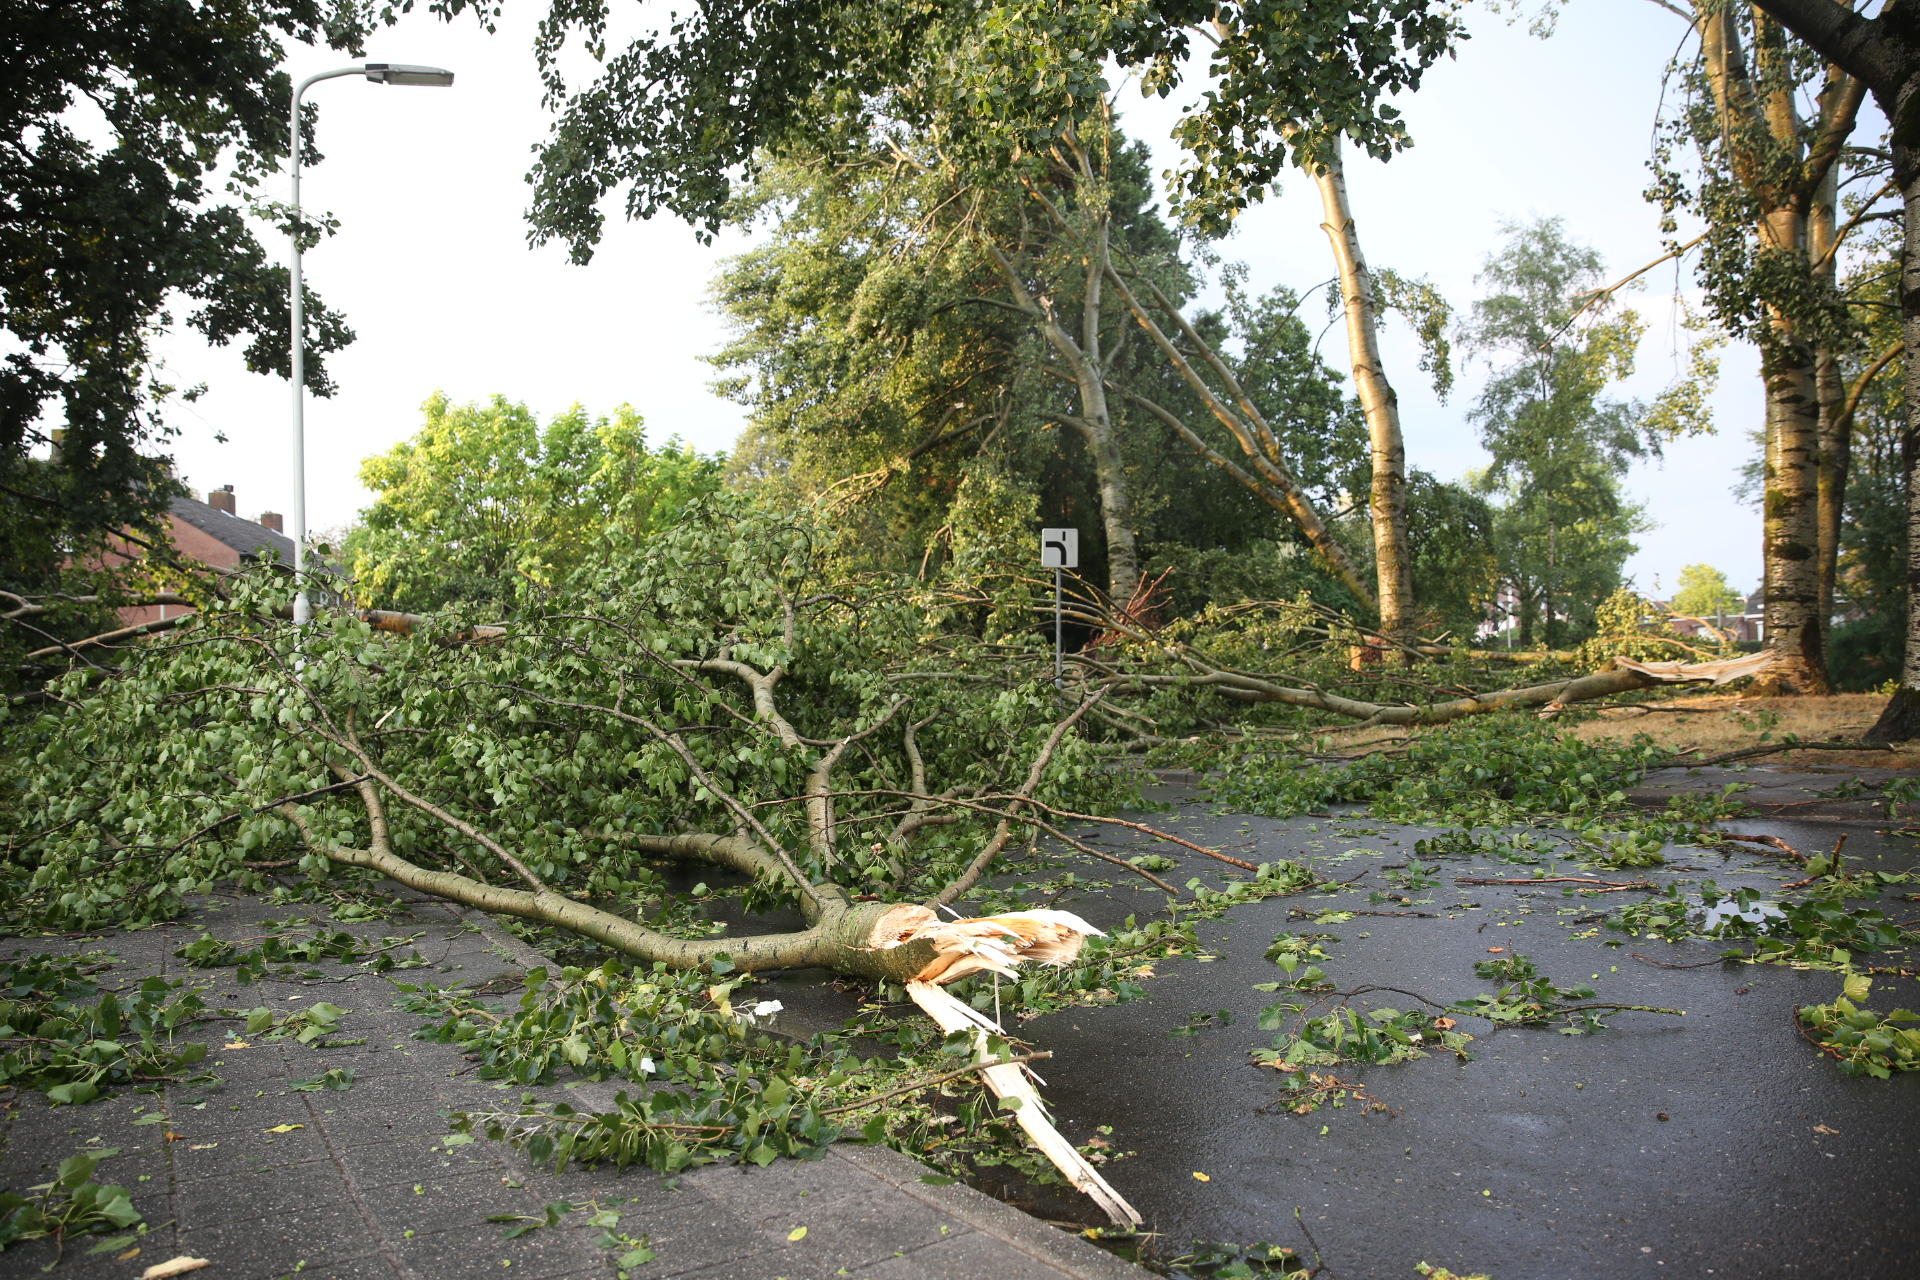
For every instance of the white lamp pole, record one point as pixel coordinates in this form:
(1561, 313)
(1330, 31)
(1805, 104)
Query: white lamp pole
(379, 73)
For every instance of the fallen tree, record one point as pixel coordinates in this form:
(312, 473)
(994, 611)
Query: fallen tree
(825, 751)
(839, 754)
(1626, 676)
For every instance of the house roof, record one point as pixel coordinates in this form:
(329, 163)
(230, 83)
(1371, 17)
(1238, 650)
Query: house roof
(252, 541)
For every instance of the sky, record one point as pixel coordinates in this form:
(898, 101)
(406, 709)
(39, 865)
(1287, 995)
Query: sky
(434, 272)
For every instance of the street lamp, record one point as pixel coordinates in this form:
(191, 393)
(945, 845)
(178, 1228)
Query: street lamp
(379, 73)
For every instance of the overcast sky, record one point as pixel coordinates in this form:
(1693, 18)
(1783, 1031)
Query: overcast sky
(433, 270)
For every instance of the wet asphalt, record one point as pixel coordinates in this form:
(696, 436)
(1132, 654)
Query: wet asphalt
(1720, 1143)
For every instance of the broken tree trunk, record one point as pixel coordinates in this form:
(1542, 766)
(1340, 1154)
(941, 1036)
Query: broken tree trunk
(997, 944)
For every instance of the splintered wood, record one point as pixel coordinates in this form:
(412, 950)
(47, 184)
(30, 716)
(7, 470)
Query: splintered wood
(997, 944)
(1720, 671)
(1010, 1081)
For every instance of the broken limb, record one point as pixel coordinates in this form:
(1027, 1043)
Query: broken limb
(1589, 882)
(1774, 748)
(379, 619)
(1626, 676)
(1774, 844)
(1832, 867)
(1013, 1084)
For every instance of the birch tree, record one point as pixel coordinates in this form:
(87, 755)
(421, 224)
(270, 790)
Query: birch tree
(1387, 489)
(1770, 122)
(1559, 443)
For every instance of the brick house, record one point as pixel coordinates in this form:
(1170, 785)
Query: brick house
(213, 534)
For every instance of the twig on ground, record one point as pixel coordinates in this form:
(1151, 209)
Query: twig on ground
(1770, 748)
(1297, 913)
(1767, 841)
(1594, 885)
(1833, 866)
(1667, 964)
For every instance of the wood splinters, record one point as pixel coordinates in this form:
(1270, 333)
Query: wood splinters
(997, 944)
(1010, 1081)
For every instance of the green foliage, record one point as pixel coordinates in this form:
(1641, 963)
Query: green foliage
(1466, 842)
(1277, 879)
(73, 1204)
(116, 129)
(285, 951)
(789, 74)
(1433, 1272)
(1627, 624)
(63, 1034)
(546, 738)
(484, 504)
(1559, 444)
(890, 370)
(1703, 592)
(1108, 970)
(712, 1085)
(1870, 578)
(1528, 997)
(1865, 1042)
(1379, 1036)
(1487, 770)
(1218, 1260)
(1456, 562)
(1723, 156)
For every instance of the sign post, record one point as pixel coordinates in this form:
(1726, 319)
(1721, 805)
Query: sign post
(1059, 549)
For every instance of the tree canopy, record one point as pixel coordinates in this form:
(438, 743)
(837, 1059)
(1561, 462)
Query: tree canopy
(1559, 444)
(1703, 592)
(133, 142)
(484, 504)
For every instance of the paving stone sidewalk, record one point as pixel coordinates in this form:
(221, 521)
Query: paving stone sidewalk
(364, 1187)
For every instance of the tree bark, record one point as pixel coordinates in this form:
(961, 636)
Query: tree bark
(1836, 424)
(1883, 52)
(1625, 677)
(1785, 168)
(1901, 719)
(1791, 519)
(1387, 499)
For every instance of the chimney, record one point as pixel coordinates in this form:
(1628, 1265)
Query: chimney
(271, 520)
(221, 499)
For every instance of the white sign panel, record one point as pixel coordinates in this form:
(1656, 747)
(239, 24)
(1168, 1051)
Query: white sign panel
(1059, 548)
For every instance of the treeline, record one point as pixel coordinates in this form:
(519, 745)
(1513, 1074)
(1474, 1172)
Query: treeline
(970, 316)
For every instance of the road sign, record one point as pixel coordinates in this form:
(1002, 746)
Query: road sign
(1059, 548)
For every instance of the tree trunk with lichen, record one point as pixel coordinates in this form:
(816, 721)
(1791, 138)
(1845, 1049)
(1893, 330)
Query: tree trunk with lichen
(1792, 537)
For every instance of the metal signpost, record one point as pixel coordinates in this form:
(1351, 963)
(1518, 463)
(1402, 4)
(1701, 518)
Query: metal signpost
(1059, 549)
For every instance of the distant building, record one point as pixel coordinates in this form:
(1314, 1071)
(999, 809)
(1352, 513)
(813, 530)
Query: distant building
(213, 534)
(1747, 626)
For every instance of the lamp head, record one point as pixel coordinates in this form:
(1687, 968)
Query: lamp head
(406, 73)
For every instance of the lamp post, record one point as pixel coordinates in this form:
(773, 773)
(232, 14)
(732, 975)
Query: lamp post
(379, 73)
